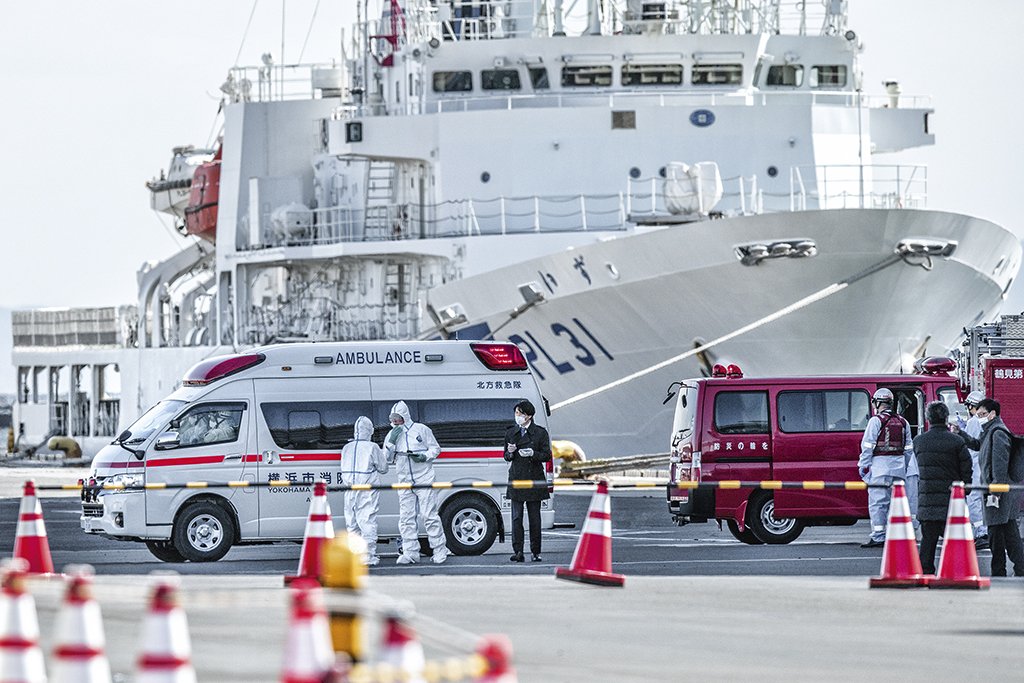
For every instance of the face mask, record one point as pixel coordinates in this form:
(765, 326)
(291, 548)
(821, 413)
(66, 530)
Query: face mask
(521, 420)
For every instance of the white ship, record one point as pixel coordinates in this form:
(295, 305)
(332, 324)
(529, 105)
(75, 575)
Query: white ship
(630, 197)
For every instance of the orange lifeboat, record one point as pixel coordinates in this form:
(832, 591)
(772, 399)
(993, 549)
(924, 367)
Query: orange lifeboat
(201, 212)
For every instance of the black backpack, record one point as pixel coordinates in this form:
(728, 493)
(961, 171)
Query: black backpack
(1015, 468)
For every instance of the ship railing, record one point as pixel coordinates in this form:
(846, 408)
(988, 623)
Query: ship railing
(455, 218)
(272, 82)
(849, 186)
(108, 414)
(107, 326)
(646, 197)
(646, 97)
(355, 322)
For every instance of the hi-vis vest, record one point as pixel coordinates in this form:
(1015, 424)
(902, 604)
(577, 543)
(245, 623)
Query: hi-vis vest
(891, 435)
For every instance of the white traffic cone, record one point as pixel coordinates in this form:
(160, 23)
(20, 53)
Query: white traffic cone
(21, 660)
(78, 651)
(402, 651)
(319, 530)
(308, 655)
(166, 647)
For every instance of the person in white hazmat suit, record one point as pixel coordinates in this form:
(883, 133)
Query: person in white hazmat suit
(362, 462)
(412, 448)
(886, 454)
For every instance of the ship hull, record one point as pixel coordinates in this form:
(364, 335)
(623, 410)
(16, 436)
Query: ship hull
(621, 306)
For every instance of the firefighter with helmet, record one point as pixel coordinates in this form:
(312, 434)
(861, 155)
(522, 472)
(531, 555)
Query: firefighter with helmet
(886, 454)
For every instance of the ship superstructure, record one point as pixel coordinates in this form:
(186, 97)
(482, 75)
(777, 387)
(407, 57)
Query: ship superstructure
(606, 190)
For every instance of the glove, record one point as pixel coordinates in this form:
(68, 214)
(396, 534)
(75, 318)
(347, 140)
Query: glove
(395, 433)
(418, 457)
(992, 500)
(526, 452)
(863, 471)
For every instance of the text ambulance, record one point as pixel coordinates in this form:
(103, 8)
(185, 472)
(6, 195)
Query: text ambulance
(283, 413)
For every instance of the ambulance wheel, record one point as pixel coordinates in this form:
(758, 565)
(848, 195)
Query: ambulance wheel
(203, 532)
(164, 551)
(762, 522)
(746, 536)
(470, 524)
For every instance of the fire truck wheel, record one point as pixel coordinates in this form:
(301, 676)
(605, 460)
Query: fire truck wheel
(203, 532)
(470, 524)
(746, 536)
(164, 551)
(762, 522)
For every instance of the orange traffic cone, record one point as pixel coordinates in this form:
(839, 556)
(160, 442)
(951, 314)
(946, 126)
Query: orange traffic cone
(79, 646)
(20, 657)
(496, 650)
(402, 651)
(958, 564)
(308, 655)
(319, 530)
(901, 565)
(592, 561)
(166, 646)
(30, 541)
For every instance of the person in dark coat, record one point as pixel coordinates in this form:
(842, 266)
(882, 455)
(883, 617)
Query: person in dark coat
(527, 448)
(942, 458)
(1000, 508)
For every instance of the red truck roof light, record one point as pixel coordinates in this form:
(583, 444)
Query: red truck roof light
(936, 365)
(500, 356)
(718, 370)
(733, 372)
(219, 367)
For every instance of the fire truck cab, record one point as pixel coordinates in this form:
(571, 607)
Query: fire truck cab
(730, 427)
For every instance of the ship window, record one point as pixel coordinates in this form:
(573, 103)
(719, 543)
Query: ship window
(717, 74)
(652, 74)
(500, 79)
(539, 78)
(453, 81)
(623, 119)
(789, 75)
(828, 76)
(741, 412)
(586, 76)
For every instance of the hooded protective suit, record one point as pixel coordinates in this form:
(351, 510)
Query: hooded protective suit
(412, 448)
(362, 462)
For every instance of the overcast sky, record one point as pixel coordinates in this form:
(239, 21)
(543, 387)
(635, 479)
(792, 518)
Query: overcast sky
(96, 94)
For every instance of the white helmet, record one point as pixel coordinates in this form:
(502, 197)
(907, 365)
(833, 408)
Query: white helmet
(882, 396)
(974, 398)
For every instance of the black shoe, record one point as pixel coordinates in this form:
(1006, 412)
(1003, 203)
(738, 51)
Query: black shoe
(981, 543)
(517, 557)
(872, 543)
(537, 558)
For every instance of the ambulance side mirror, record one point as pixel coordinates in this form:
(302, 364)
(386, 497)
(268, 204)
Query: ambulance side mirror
(166, 442)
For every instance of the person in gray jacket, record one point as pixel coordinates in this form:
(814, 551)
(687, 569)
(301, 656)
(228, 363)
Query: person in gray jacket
(942, 458)
(1000, 508)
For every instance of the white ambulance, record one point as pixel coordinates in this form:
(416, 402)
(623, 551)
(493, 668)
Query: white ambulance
(283, 413)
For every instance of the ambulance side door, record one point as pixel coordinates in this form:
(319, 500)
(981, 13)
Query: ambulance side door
(302, 425)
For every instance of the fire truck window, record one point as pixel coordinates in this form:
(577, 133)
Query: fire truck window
(741, 412)
(823, 411)
(952, 401)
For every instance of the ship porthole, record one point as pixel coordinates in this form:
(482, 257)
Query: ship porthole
(485, 177)
(772, 171)
(662, 171)
(612, 270)
(634, 173)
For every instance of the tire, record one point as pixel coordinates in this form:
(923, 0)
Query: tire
(164, 551)
(203, 532)
(746, 536)
(470, 525)
(762, 523)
